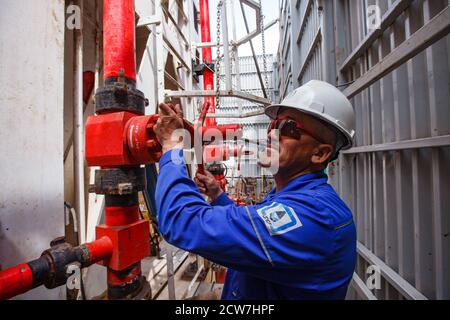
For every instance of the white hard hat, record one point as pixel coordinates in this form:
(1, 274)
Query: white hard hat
(325, 102)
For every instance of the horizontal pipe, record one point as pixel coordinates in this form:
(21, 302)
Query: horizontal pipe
(235, 115)
(15, 281)
(50, 266)
(99, 250)
(212, 93)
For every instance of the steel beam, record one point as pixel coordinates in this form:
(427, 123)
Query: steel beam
(304, 19)
(434, 30)
(314, 44)
(212, 93)
(433, 142)
(236, 116)
(361, 289)
(387, 20)
(226, 47)
(400, 284)
(253, 53)
(255, 33)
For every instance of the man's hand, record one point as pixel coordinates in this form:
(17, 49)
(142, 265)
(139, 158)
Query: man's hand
(208, 185)
(170, 120)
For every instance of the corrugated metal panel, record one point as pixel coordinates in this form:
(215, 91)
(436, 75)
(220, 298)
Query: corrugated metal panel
(396, 179)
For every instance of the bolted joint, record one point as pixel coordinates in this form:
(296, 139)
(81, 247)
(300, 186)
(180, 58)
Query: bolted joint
(141, 139)
(51, 268)
(119, 181)
(54, 261)
(120, 94)
(120, 139)
(126, 284)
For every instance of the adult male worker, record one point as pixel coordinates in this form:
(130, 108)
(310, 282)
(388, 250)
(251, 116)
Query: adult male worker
(300, 241)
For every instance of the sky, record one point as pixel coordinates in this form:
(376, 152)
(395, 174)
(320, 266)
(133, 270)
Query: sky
(270, 11)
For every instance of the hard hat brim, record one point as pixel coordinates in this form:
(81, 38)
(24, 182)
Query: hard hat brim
(273, 110)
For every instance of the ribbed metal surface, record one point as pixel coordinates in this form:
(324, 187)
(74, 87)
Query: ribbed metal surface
(397, 191)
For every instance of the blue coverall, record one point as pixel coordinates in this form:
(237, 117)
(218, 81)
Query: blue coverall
(299, 243)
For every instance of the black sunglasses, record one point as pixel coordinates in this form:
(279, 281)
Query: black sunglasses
(290, 128)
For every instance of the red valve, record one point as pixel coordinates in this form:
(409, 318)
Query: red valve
(121, 139)
(141, 139)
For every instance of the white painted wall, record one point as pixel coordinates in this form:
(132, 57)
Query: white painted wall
(31, 131)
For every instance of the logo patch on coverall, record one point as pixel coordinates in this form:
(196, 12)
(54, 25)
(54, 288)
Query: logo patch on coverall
(279, 218)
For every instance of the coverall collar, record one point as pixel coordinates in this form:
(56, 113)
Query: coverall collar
(304, 181)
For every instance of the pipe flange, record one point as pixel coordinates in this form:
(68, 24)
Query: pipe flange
(119, 181)
(120, 94)
(129, 291)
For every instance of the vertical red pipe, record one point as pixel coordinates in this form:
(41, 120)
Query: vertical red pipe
(119, 46)
(208, 75)
(119, 39)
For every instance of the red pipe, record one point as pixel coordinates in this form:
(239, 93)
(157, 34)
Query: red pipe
(15, 281)
(119, 39)
(226, 129)
(205, 29)
(208, 75)
(20, 279)
(120, 58)
(100, 249)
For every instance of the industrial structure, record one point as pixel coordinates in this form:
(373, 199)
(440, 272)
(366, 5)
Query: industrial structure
(79, 155)
(246, 76)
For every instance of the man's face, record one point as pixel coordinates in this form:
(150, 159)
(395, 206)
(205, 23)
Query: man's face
(297, 154)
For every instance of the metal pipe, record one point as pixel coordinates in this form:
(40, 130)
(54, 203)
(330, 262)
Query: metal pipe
(121, 211)
(208, 74)
(170, 273)
(15, 281)
(236, 116)
(50, 268)
(119, 39)
(226, 47)
(255, 33)
(78, 129)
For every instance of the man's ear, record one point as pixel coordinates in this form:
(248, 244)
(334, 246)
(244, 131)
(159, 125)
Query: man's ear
(322, 154)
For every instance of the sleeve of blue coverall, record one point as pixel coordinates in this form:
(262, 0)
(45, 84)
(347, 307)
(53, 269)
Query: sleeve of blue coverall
(223, 234)
(235, 237)
(223, 200)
